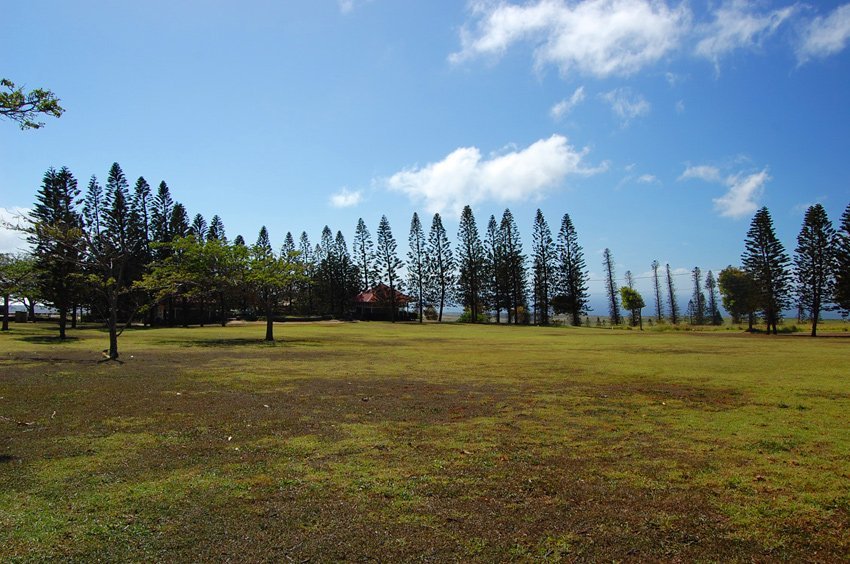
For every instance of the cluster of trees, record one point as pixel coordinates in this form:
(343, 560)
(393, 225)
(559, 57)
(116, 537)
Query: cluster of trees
(767, 283)
(130, 255)
(817, 279)
(135, 255)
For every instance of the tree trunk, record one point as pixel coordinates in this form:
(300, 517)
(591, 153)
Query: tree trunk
(392, 301)
(113, 325)
(63, 321)
(221, 309)
(5, 312)
(815, 315)
(269, 321)
(31, 310)
(73, 316)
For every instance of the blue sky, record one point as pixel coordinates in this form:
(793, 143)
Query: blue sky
(659, 126)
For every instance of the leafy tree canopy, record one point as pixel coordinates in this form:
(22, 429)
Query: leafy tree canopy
(24, 107)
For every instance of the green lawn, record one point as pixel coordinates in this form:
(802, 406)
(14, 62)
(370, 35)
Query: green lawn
(358, 441)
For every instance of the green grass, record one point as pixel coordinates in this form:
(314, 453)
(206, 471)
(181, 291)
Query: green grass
(402, 442)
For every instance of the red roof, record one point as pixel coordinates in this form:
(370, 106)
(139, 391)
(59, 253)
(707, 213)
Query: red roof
(380, 294)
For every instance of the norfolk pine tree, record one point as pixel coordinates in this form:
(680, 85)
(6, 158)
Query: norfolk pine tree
(698, 297)
(471, 259)
(496, 271)
(765, 259)
(543, 250)
(656, 286)
(364, 255)
(814, 263)
(671, 296)
(842, 263)
(571, 296)
(55, 234)
(441, 266)
(611, 288)
(714, 316)
(417, 262)
(199, 228)
(388, 262)
(516, 275)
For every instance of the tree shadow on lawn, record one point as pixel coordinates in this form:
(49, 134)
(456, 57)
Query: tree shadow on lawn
(241, 342)
(47, 340)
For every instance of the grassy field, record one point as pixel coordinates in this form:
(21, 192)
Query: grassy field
(358, 441)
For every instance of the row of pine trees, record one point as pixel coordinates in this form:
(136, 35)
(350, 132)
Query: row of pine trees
(134, 254)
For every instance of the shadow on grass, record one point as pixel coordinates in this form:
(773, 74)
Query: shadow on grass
(6, 458)
(47, 340)
(242, 342)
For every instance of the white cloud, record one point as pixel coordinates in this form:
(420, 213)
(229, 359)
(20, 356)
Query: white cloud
(701, 172)
(744, 191)
(825, 36)
(348, 6)
(594, 37)
(627, 104)
(566, 105)
(680, 107)
(737, 26)
(801, 208)
(12, 241)
(346, 198)
(647, 179)
(673, 79)
(463, 177)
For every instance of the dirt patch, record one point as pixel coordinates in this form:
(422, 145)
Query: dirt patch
(694, 396)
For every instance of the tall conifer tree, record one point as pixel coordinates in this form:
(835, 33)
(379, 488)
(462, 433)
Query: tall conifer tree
(216, 230)
(417, 263)
(765, 259)
(364, 255)
(441, 266)
(471, 259)
(841, 295)
(543, 251)
(517, 277)
(713, 310)
(814, 262)
(199, 228)
(388, 263)
(572, 294)
(656, 286)
(611, 288)
(496, 273)
(698, 298)
(55, 236)
(672, 302)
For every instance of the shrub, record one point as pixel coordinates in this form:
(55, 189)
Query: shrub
(466, 317)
